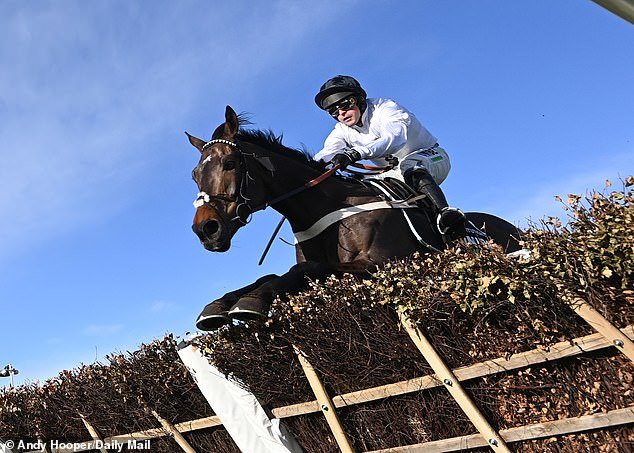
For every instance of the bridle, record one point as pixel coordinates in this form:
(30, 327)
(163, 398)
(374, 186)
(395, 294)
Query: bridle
(240, 197)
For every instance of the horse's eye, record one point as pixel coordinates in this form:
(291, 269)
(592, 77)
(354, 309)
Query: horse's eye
(229, 165)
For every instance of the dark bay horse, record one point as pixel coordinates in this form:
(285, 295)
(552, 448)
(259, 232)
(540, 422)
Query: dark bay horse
(340, 225)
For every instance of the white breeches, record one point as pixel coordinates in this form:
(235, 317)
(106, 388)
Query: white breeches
(435, 160)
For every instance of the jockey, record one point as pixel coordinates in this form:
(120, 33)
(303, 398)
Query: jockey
(376, 129)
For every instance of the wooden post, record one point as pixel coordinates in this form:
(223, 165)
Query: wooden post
(93, 432)
(555, 428)
(604, 327)
(446, 376)
(325, 403)
(178, 437)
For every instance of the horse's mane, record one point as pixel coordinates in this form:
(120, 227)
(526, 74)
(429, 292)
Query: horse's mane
(270, 141)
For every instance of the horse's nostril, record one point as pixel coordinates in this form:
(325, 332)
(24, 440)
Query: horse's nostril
(210, 228)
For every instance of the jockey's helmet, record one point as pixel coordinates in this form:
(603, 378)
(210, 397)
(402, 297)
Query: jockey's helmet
(338, 88)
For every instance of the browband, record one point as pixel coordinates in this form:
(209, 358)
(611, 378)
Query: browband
(219, 140)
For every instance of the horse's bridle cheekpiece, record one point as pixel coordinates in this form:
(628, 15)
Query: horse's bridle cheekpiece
(204, 199)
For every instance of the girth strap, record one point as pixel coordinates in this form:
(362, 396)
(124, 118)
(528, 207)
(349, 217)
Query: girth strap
(343, 213)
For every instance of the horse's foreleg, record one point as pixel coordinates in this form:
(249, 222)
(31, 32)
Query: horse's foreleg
(214, 315)
(256, 303)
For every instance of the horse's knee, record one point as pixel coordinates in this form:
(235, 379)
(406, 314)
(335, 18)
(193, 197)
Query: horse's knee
(236, 294)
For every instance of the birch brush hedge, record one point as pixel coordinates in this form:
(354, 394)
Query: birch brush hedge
(473, 303)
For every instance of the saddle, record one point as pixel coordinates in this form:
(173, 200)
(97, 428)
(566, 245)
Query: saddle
(395, 190)
(394, 194)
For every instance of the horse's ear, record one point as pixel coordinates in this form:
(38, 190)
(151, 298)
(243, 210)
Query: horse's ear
(198, 143)
(232, 124)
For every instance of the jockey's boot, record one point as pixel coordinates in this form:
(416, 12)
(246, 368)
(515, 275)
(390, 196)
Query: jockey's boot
(450, 221)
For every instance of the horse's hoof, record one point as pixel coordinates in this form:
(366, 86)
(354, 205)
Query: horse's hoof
(214, 315)
(212, 322)
(248, 309)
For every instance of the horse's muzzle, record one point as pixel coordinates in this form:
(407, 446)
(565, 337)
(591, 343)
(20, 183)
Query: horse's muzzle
(212, 235)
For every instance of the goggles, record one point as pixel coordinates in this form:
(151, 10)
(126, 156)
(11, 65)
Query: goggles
(345, 104)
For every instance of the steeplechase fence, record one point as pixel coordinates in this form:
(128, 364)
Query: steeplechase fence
(607, 336)
(468, 350)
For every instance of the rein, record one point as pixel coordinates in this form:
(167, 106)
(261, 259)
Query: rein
(204, 198)
(370, 169)
(308, 185)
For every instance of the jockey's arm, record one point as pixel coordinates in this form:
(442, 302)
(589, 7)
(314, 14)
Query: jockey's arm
(334, 144)
(391, 127)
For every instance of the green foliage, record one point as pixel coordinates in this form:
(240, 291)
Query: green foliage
(593, 255)
(474, 302)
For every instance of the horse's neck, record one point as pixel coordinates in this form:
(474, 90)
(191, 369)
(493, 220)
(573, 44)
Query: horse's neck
(308, 206)
(304, 206)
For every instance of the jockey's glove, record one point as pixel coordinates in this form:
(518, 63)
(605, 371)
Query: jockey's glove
(345, 158)
(392, 161)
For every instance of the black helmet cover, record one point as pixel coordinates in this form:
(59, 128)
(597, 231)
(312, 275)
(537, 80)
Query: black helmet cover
(336, 89)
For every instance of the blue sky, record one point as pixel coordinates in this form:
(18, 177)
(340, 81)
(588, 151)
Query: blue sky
(531, 100)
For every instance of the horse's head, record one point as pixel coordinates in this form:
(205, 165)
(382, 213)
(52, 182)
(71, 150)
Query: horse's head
(243, 171)
(221, 208)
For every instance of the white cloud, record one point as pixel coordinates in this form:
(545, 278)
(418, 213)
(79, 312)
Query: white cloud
(102, 330)
(83, 89)
(161, 307)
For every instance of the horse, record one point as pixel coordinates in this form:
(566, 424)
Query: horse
(340, 224)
